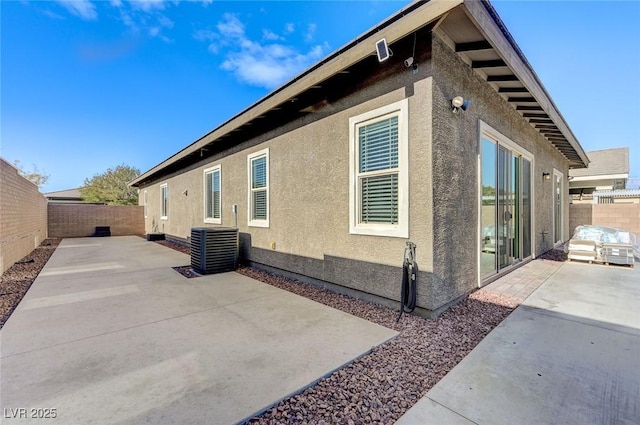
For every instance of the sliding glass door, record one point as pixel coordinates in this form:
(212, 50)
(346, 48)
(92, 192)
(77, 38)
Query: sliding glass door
(505, 215)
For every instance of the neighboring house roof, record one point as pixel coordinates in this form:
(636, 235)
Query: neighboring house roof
(64, 195)
(606, 162)
(473, 29)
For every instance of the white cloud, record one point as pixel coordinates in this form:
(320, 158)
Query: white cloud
(265, 64)
(268, 67)
(205, 35)
(52, 15)
(270, 35)
(311, 31)
(289, 28)
(146, 16)
(231, 26)
(83, 9)
(147, 5)
(165, 22)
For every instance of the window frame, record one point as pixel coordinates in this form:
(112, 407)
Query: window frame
(164, 206)
(145, 203)
(205, 173)
(401, 229)
(264, 153)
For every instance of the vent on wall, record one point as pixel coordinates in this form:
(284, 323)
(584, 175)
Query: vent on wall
(214, 249)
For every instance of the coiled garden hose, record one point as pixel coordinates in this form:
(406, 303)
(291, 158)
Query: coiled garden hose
(409, 280)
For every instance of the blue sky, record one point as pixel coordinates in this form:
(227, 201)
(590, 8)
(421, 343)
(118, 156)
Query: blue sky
(90, 85)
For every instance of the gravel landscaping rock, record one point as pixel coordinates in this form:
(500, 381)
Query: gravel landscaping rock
(187, 272)
(554, 255)
(17, 279)
(185, 249)
(381, 386)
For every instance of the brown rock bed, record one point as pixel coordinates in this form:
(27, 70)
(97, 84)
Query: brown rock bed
(185, 249)
(17, 279)
(554, 255)
(380, 387)
(187, 271)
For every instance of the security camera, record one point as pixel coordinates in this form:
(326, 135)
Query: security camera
(408, 62)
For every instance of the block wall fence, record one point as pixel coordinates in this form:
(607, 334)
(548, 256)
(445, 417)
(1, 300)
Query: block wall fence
(621, 216)
(23, 216)
(80, 220)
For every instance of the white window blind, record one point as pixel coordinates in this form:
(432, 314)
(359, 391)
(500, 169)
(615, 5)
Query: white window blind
(165, 200)
(258, 173)
(259, 188)
(378, 171)
(212, 195)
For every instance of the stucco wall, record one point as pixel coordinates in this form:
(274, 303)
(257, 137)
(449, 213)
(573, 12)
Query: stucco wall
(23, 216)
(309, 191)
(80, 220)
(455, 170)
(309, 186)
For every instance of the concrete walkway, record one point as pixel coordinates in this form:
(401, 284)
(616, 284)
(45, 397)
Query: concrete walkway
(109, 333)
(570, 354)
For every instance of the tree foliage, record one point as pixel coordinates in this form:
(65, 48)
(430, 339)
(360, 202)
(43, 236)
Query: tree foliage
(111, 187)
(35, 176)
(488, 190)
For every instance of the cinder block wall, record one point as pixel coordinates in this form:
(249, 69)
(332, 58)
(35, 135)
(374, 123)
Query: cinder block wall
(23, 216)
(622, 216)
(579, 215)
(78, 220)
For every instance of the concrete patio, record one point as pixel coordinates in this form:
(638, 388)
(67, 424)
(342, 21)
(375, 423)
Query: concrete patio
(109, 333)
(570, 354)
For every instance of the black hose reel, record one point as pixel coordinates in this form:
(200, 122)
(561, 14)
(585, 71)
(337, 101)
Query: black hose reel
(409, 280)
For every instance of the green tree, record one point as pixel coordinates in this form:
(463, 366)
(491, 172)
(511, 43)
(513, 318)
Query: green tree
(111, 187)
(35, 176)
(488, 191)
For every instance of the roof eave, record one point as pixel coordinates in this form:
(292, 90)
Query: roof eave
(487, 20)
(421, 13)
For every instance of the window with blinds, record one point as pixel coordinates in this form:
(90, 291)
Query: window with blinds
(165, 201)
(378, 169)
(259, 189)
(213, 198)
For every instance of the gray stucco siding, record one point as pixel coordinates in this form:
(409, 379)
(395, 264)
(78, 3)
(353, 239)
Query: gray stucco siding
(309, 193)
(455, 170)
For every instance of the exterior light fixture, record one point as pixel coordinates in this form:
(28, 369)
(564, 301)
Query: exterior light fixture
(546, 176)
(458, 103)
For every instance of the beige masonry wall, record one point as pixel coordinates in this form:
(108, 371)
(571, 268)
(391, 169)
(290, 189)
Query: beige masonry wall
(621, 216)
(580, 215)
(23, 216)
(79, 220)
